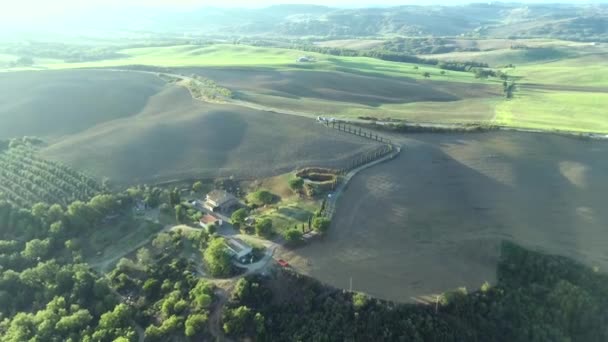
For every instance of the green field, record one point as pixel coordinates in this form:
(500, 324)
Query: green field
(591, 70)
(218, 55)
(549, 110)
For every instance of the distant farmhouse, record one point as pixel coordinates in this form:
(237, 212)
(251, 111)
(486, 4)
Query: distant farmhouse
(220, 200)
(305, 59)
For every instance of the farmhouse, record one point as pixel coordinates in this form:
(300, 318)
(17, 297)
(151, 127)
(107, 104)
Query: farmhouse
(208, 220)
(238, 249)
(220, 200)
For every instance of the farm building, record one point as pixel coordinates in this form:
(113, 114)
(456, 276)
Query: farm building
(305, 59)
(208, 220)
(238, 249)
(220, 200)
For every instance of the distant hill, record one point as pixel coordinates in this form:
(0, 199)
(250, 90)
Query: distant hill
(578, 22)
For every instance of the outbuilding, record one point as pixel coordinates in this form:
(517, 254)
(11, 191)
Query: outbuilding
(238, 249)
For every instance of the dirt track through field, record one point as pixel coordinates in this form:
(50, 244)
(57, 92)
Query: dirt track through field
(433, 219)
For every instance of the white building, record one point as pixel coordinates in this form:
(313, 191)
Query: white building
(220, 200)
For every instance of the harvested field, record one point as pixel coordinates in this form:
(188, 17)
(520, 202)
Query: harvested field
(350, 95)
(340, 87)
(432, 219)
(50, 104)
(176, 137)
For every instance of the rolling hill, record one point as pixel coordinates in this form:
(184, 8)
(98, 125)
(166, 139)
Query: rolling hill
(54, 104)
(567, 21)
(132, 128)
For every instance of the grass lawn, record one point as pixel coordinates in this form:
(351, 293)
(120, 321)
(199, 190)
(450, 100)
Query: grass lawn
(291, 210)
(118, 238)
(573, 111)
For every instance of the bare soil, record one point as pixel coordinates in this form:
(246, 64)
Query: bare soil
(433, 219)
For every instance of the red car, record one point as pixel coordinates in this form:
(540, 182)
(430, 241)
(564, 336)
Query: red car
(283, 263)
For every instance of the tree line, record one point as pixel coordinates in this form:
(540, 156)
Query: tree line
(537, 297)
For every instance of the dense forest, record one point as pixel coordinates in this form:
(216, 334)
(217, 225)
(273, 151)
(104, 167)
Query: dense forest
(538, 298)
(49, 293)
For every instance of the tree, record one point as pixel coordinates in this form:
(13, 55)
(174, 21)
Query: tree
(144, 257)
(321, 224)
(263, 228)
(359, 300)
(263, 197)
(292, 235)
(195, 324)
(239, 216)
(162, 241)
(174, 197)
(36, 249)
(296, 184)
(201, 295)
(217, 258)
(114, 324)
(426, 74)
(197, 187)
(237, 320)
(180, 213)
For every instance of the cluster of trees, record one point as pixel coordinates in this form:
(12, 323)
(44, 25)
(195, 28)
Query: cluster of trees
(206, 89)
(217, 259)
(537, 298)
(461, 66)
(262, 197)
(163, 289)
(26, 179)
(46, 292)
(508, 89)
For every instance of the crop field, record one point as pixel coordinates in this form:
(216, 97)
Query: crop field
(175, 137)
(53, 104)
(433, 219)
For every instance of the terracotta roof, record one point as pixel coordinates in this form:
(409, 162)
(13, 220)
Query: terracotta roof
(208, 219)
